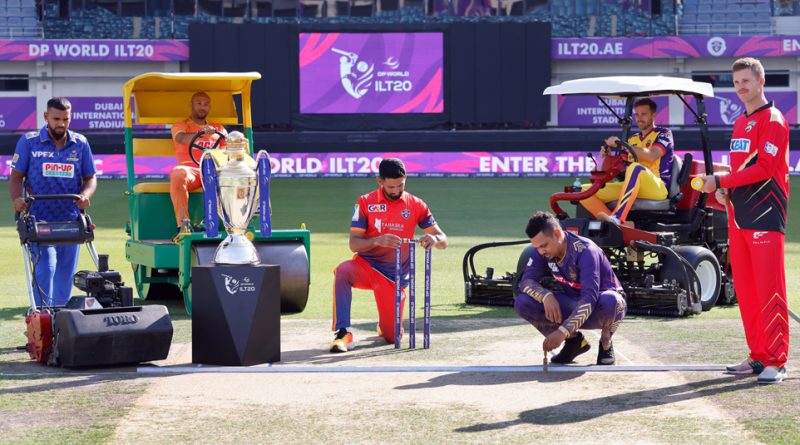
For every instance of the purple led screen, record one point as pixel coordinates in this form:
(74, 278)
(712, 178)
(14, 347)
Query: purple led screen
(347, 73)
(17, 113)
(589, 111)
(675, 46)
(725, 108)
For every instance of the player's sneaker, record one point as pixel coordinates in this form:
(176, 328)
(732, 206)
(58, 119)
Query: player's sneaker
(606, 356)
(747, 366)
(573, 347)
(343, 341)
(772, 374)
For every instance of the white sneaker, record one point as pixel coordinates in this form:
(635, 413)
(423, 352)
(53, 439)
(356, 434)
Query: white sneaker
(772, 374)
(746, 367)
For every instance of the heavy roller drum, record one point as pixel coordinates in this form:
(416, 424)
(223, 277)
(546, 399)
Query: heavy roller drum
(290, 255)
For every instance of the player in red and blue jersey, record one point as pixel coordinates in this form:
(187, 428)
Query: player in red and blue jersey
(53, 161)
(380, 221)
(757, 199)
(589, 296)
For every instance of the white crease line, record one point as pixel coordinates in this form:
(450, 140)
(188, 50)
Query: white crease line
(281, 369)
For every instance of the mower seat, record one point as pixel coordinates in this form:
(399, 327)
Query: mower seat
(673, 190)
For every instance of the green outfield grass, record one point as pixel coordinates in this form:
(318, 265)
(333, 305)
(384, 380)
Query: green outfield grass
(470, 210)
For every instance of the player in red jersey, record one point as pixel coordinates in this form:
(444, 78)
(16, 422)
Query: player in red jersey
(380, 221)
(756, 193)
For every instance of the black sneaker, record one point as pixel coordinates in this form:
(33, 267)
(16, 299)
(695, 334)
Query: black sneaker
(573, 347)
(606, 356)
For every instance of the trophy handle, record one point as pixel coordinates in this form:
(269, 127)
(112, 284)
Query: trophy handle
(264, 175)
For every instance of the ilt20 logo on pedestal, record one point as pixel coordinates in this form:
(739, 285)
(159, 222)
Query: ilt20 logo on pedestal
(234, 285)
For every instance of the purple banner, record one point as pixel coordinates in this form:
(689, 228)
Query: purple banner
(95, 50)
(675, 46)
(17, 113)
(344, 73)
(589, 111)
(90, 113)
(436, 164)
(725, 108)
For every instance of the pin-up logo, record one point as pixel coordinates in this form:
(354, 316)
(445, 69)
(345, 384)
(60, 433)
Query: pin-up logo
(716, 46)
(356, 76)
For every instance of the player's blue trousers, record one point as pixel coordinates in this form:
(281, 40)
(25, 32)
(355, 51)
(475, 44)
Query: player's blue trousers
(54, 267)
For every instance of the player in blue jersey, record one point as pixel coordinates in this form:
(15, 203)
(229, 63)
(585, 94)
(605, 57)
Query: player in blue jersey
(589, 296)
(53, 160)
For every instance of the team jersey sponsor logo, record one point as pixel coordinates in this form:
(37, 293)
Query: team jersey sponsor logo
(58, 170)
(405, 213)
(530, 261)
(372, 208)
(31, 134)
(771, 148)
(757, 235)
(750, 126)
(378, 224)
(42, 154)
(14, 159)
(355, 213)
(740, 145)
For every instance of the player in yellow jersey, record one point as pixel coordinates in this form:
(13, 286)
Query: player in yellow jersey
(646, 179)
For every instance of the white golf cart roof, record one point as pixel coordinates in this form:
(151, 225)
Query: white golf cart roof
(622, 86)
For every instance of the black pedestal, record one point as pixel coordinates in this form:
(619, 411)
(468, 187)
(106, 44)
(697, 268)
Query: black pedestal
(236, 314)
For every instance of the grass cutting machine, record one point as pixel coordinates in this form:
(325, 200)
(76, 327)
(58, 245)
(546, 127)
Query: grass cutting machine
(674, 261)
(102, 327)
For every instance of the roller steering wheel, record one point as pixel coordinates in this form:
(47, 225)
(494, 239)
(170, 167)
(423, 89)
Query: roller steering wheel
(628, 148)
(193, 145)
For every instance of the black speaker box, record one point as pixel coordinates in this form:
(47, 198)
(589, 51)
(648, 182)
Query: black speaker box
(112, 336)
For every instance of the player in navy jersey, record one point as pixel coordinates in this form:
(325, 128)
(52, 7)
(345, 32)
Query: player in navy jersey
(589, 296)
(756, 194)
(53, 160)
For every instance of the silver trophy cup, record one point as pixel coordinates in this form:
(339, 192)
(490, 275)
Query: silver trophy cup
(236, 193)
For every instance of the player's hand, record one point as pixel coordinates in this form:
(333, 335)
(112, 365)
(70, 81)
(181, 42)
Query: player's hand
(552, 311)
(709, 184)
(388, 240)
(722, 196)
(20, 205)
(553, 340)
(611, 141)
(83, 202)
(428, 241)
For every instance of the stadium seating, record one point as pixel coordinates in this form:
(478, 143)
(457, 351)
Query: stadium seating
(19, 19)
(721, 17)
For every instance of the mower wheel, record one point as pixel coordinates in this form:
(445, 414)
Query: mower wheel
(706, 266)
(153, 291)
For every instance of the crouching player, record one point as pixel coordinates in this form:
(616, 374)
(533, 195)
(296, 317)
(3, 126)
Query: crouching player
(590, 297)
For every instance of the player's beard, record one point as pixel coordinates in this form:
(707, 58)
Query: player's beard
(57, 134)
(391, 197)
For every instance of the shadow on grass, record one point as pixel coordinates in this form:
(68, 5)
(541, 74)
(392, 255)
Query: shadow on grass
(582, 410)
(13, 313)
(468, 378)
(64, 380)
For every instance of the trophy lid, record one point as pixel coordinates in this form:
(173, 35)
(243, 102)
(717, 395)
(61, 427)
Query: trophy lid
(236, 142)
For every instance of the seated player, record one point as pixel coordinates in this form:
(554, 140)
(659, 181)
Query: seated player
(185, 176)
(647, 179)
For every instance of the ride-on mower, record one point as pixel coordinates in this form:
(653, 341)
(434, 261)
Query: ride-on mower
(673, 261)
